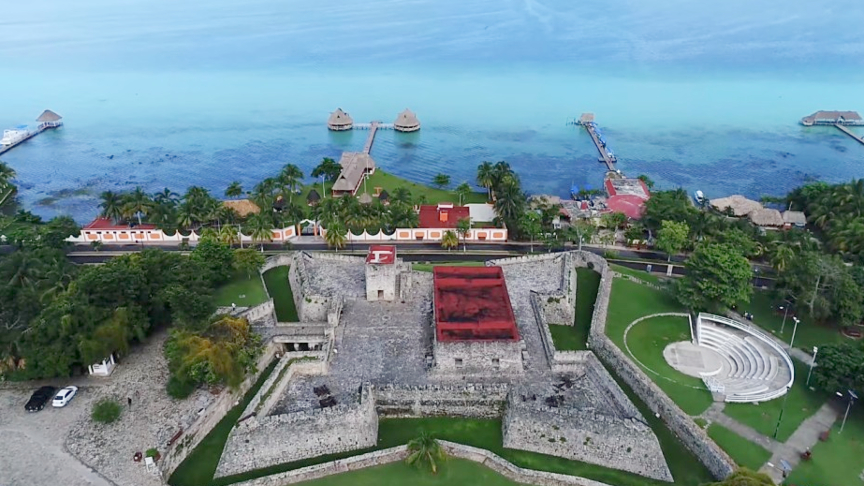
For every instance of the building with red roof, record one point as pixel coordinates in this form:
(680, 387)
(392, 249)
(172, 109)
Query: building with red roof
(443, 216)
(475, 328)
(105, 230)
(627, 196)
(381, 255)
(383, 273)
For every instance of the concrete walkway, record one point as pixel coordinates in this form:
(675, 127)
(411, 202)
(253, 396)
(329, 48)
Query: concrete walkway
(805, 437)
(715, 414)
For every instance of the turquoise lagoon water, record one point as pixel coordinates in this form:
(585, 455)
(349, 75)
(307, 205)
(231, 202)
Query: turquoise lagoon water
(162, 93)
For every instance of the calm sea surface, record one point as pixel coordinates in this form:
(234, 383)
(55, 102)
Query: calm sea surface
(704, 95)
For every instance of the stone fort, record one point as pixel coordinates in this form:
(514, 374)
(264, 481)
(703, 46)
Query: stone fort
(377, 339)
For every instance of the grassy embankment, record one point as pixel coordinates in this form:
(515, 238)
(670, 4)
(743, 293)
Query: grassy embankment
(573, 338)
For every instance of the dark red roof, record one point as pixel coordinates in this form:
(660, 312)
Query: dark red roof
(381, 254)
(444, 215)
(631, 206)
(108, 224)
(472, 304)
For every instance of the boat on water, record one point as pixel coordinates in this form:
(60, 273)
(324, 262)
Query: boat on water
(700, 198)
(15, 135)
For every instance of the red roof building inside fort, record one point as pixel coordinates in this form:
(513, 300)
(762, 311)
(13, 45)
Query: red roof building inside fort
(381, 255)
(472, 304)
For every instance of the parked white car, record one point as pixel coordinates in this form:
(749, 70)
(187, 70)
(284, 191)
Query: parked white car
(64, 396)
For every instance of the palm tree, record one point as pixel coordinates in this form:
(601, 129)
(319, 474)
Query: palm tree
(441, 180)
(112, 205)
(782, 258)
(234, 190)
(261, 227)
(510, 201)
(187, 215)
(167, 196)
(138, 203)
(425, 449)
(450, 240)
(463, 228)
(463, 191)
(501, 171)
(401, 194)
(335, 236)
(229, 235)
(290, 176)
(486, 177)
(6, 173)
(163, 216)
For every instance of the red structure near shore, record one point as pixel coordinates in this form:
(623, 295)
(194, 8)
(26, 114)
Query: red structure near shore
(472, 304)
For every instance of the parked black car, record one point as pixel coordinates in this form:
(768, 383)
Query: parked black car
(40, 398)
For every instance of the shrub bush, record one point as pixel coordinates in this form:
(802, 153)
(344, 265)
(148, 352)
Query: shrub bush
(178, 388)
(106, 411)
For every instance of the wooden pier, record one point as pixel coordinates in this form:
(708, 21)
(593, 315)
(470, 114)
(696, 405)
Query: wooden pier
(373, 128)
(846, 130)
(47, 120)
(606, 155)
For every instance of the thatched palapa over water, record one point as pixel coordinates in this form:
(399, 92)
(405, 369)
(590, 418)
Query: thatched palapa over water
(339, 121)
(49, 119)
(406, 122)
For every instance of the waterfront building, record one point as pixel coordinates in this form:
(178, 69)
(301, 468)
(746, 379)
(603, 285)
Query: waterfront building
(340, 121)
(49, 119)
(406, 122)
(355, 166)
(833, 118)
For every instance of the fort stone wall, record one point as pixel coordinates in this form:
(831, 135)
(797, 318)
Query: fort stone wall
(311, 306)
(471, 400)
(478, 357)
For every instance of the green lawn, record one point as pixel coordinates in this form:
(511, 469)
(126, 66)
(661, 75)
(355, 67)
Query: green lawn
(630, 301)
(200, 465)
(452, 472)
(427, 267)
(744, 452)
(809, 333)
(276, 280)
(241, 290)
(390, 182)
(573, 338)
(640, 274)
(800, 404)
(837, 461)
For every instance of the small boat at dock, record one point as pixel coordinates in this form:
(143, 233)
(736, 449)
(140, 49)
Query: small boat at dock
(15, 135)
(700, 198)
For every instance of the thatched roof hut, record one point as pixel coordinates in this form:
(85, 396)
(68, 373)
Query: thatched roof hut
(365, 198)
(795, 218)
(243, 207)
(355, 165)
(740, 205)
(406, 122)
(831, 117)
(49, 116)
(766, 217)
(313, 197)
(339, 120)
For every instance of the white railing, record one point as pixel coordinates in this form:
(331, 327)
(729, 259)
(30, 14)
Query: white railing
(758, 334)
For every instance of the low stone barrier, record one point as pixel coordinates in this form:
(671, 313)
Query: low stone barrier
(471, 400)
(273, 389)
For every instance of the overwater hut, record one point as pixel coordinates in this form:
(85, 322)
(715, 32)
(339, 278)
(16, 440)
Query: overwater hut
(832, 118)
(794, 218)
(243, 207)
(766, 218)
(355, 166)
(49, 119)
(739, 205)
(365, 198)
(406, 122)
(384, 197)
(339, 121)
(312, 198)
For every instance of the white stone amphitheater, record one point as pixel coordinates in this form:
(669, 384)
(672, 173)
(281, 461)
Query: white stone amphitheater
(736, 361)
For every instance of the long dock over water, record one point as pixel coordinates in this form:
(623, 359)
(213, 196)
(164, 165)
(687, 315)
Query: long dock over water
(47, 120)
(6, 148)
(849, 132)
(606, 155)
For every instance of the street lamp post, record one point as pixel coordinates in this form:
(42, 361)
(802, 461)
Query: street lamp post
(794, 330)
(785, 313)
(852, 398)
(782, 409)
(812, 363)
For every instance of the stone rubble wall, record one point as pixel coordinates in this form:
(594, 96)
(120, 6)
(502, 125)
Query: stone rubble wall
(311, 307)
(260, 315)
(297, 363)
(280, 260)
(175, 454)
(340, 258)
(260, 442)
(399, 453)
(559, 361)
(472, 400)
(477, 357)
(693, 436)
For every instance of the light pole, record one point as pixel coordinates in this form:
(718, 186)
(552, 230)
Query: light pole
(782, 409)
(812, 362)
(852, 398)
(794, 330)
(785, 313)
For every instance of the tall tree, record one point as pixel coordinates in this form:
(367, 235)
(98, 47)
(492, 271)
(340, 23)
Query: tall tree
(166, 197)
(335, 236)
(582, 231)
(328, 168)
(530, 226)
(510, 202)
(449, 240)
(441, 180)
(486, 177)
(260, 228)
(672, 237)
(112, 205)
(234, 190)
(290, 177)
(647, 180)
(463, 191)
(248, 261)
(7, 173)
(463, 229)
(138, 204)
(425, 449)
(745, 477)
(841, 368)
(717, 273)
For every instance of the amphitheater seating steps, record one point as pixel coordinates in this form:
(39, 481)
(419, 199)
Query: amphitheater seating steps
(753, 372)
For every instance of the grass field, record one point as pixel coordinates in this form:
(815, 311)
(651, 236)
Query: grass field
(200, 465)
(809, 333)
(427, 267)
(837, 460)
(800, 404)
(573, 338)
(640, 274)
(276, 280)
(452, 472)
(241, 290)
(744, 452)
(390, 182)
